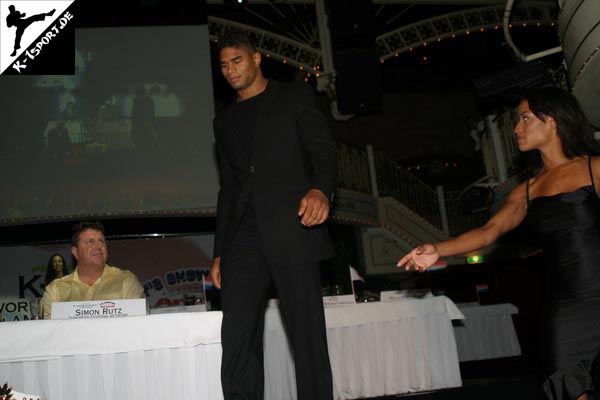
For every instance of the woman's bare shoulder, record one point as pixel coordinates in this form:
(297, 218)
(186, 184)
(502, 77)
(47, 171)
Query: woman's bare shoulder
(596, 165)
(519, 193)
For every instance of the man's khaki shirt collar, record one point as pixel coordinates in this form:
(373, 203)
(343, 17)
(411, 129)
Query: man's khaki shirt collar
(75, 276)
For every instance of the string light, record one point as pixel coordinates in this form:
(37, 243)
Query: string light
(205, 212)
(396, 54)
(534, 253)
(585, 64)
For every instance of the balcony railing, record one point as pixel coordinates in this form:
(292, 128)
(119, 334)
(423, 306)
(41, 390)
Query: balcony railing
(395, 181)
(353, 168)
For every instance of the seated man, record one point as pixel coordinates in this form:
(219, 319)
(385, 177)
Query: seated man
(93, 279)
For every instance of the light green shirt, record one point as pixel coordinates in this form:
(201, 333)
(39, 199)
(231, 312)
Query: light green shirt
(114, 283)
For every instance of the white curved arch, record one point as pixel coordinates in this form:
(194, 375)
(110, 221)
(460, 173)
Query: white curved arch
(272, 45)
(441, 27)
(390, 44)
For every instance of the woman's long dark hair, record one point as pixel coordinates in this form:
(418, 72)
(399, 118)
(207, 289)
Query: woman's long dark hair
(575, 133)
(50, 275)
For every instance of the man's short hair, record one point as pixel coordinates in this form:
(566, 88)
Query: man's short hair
(82, 226)
(237, 39)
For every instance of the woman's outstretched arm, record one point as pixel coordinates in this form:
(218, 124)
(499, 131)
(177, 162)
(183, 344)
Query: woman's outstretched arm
(509, 216)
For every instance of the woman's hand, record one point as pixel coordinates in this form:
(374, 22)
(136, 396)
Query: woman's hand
(420, 258)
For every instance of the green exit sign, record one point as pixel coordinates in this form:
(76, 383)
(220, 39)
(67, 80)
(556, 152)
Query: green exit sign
(474, 259)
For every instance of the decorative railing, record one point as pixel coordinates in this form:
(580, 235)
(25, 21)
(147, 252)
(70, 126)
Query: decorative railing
(395, 181)
(461, 219)
(353, 168)
(278, 47)
(307, 57)
(441, 27)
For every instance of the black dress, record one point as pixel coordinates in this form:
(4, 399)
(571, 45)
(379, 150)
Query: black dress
(569, 227)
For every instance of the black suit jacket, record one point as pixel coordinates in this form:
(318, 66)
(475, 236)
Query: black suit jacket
(293, 153)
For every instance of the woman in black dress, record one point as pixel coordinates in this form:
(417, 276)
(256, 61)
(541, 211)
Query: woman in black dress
(560, 201)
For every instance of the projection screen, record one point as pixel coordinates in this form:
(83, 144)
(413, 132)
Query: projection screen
(130, 133)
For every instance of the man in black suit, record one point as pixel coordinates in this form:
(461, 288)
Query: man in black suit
(278, 169)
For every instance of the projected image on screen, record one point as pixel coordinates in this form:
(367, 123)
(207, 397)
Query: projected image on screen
(130, 132)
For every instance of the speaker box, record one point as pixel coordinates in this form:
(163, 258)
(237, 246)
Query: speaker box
(351, 24)
(358, 80)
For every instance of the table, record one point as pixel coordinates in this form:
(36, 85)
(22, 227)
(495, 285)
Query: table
(153, 357)
(486, 332)
(375, 349)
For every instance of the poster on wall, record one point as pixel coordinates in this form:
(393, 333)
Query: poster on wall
(171, 269)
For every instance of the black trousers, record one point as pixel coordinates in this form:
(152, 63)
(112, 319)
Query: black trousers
(246, 277)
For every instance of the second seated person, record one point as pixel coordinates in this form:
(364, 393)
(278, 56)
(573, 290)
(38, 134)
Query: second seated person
(93, 279)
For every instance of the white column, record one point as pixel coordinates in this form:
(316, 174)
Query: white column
(372, 171)
(324, 38)
(498, 147)
(443, 212)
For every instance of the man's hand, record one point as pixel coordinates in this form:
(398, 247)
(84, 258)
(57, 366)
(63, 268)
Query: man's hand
(314, 208)
(215, 272)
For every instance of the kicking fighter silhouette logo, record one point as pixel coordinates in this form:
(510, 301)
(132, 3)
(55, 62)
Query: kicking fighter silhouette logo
(18, 20)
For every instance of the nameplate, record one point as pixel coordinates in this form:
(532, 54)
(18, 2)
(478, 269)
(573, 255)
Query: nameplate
(19, 396)
(342, 300)
(179, 309)
(395, 295)
(98, 309)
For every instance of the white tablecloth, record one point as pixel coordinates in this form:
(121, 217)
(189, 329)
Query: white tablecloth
(375, 349)
(154, 357)
(486, 332)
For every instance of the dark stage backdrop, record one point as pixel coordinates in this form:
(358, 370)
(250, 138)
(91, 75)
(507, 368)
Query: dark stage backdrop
(130, 132)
